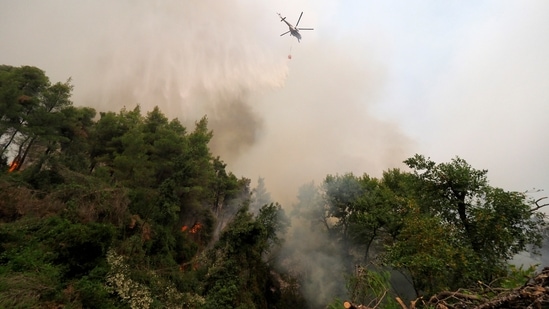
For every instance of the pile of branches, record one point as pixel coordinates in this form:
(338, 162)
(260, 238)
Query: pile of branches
(534, 294)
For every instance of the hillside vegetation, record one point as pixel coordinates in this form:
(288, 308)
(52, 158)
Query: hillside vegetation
(131, 210)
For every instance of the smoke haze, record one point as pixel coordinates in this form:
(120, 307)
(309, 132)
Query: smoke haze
(374, 83)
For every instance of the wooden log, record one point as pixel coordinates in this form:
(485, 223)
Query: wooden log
(401, 303)
(348, 305)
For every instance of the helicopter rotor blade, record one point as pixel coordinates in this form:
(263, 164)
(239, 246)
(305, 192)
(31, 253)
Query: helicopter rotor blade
(306, 28)
(285, 33)
(299, 19)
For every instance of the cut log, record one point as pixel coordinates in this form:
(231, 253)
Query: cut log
(401, 303)
(350, 305)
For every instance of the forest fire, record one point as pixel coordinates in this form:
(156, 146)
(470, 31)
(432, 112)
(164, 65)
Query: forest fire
(196, 227)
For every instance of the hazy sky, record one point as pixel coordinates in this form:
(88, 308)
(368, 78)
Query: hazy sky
(373, 84)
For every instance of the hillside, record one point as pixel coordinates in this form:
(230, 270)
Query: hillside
(132, 210)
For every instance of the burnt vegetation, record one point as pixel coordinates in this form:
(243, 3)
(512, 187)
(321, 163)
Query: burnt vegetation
(131, 210)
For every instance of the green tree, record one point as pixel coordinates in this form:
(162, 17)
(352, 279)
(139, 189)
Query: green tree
(109, 141)
(376, 216)
(31, 113)
(19, 92)
(225, 187)
(362, 210)
(461, 226)
(422, 248)
(41, 134)
(75, 146)
(239, 276)
(274, 222)
(167, 140)
(371, 286)
(342, 194)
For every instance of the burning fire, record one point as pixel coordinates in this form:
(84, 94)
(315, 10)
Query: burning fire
(14, 164)
(194, 229)
(197, 226)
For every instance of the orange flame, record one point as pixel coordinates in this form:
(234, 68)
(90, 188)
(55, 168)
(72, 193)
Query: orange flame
(196, 227)
(13, 166)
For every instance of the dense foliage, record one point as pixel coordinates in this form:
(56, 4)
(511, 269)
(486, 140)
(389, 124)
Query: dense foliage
(124, 210)
(131, 210)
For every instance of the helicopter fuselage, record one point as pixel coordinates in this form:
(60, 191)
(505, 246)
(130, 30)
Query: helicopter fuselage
(293, 30)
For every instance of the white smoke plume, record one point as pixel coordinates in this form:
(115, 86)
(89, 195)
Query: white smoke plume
(289, 121)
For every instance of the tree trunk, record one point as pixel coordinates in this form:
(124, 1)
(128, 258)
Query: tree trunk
(8, 143)
(26, 152)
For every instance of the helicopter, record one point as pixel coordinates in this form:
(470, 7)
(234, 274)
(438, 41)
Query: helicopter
(294, 31)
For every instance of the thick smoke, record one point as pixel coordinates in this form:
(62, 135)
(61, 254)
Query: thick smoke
(319, 123)
(191, 59)
(287, 121)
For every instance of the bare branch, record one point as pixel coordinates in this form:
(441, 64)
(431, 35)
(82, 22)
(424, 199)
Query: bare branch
(538, 206)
